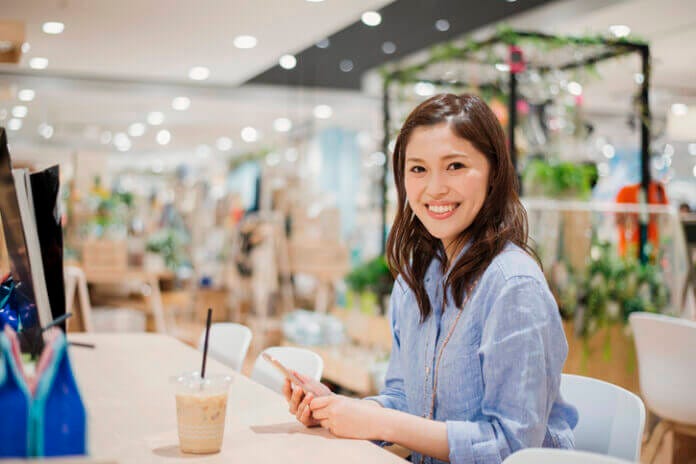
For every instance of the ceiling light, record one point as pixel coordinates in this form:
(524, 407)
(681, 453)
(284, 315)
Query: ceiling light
(371, 18)
(26, 47)
(181, 103)
(38, 63)
(136, 129)
(282, 125)
(14, 124)
(619, 30)
(639, 78)
(388, 48)
(692, 149)
(323, 112)
(53, 27)
(574, 88)
(155, 118)
(323, 43)
(346, 65)
(105, 137)
(163, 137)
(122, 142)
(199, 73)
(442, 25)
(679, 109)
(287, 61)
(26, 95)
(19, 111)
(249, 134)
(224, 144)
(503, 67)
(45, 130)
(424, 89)
(245, 41)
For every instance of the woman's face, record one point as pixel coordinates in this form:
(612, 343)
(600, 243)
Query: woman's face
(446, 180)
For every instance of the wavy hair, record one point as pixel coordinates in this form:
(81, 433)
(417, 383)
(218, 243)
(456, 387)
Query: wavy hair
(502, 218)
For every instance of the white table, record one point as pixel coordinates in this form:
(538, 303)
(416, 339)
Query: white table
(132, 415)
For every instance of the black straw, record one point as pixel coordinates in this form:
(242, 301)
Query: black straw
(57, 321)
(205, 344)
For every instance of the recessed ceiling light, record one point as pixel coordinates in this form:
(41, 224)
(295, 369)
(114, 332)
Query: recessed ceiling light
(323, 43)
(619, 30)
(371, 18)
(53, 27)
(199, 73)
(282, 125)
(19, 111)
(136, 129)
(346, 65)
(249, 134)
(424, 89)
(442, 25)
(679, 109)
(38, 63)
(122, 142)
(388, 48)
(224, 144)
(155, 118)
(14, 124)
(163, 137)
(26, 46)
(245, 41)
(181, 103)
(26, 95)
(574, 88)
(287, 61)
(608, 150)
(45, 130)
(322, 112)
(692, 149)
(639, 78)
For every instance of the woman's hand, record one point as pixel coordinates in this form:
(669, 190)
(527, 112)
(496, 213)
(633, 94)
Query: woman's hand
(348, 417)
(299, 401)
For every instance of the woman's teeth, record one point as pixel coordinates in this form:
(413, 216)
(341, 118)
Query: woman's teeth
(441, 209)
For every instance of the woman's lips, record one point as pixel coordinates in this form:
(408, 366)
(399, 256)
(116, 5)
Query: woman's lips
(441, 211)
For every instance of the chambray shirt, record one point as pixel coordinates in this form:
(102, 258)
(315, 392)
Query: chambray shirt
(499, 376)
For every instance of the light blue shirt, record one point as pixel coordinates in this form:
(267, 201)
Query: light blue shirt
(499, 376)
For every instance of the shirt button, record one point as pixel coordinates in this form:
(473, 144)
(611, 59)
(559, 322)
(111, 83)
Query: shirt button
(427, 370)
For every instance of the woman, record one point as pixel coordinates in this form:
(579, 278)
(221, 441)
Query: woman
(478, 344)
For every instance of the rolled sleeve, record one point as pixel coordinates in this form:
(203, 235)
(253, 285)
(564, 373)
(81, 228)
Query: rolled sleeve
(522, 352)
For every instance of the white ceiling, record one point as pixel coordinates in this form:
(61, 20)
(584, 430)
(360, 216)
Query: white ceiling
(162, 39)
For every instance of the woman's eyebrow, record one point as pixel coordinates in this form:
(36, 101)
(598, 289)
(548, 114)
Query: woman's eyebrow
(446, 157)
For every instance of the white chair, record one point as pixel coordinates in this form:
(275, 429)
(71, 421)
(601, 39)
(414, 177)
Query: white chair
(302, 360)
(667, 369)
(76, 283)
(611, 419)
(228, 343)
(560, 456)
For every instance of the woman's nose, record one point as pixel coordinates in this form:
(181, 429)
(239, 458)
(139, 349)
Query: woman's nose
(437, 184)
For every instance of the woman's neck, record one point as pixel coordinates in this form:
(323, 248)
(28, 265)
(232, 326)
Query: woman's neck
(452, 248)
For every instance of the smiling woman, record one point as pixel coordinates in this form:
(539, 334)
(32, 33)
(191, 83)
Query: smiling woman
(478, 345)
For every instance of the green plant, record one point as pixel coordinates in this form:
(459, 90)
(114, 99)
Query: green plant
(560, 179)
(169, 243)
(373, 276)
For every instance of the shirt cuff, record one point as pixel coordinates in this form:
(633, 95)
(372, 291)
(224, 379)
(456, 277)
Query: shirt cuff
(459, 433)
(383, 400)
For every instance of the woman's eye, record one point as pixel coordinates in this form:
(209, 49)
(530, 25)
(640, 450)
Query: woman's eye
(454, 166)
(417, 169)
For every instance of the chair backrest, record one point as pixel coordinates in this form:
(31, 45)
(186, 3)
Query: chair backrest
(667, 368)
(610, 418)
(76, 283)
(560, 456)
(301, 360)
(228, 343)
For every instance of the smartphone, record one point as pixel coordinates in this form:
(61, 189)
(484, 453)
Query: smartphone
(291, 376)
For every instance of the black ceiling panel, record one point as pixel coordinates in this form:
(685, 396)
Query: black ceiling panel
(409, 24)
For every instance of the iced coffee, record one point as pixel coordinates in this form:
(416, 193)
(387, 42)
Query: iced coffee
(200, 410)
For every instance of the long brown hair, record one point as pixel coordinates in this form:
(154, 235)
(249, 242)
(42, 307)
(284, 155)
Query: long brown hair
(502, 218)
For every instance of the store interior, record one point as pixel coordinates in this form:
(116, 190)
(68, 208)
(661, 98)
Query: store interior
(237, 156)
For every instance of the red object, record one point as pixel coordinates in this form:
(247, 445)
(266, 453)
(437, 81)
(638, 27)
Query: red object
(516, 60)
(629, 232)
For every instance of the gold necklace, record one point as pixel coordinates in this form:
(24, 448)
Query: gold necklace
(442, 349)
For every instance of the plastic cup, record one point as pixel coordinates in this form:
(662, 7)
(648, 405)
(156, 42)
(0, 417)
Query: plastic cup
(200, 412)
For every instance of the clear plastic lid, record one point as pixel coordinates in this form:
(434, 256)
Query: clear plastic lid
(192, 383)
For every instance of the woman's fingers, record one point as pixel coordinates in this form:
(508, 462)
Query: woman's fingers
(320, 414)
(304, 413)
(287, 390)
(295, 400)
